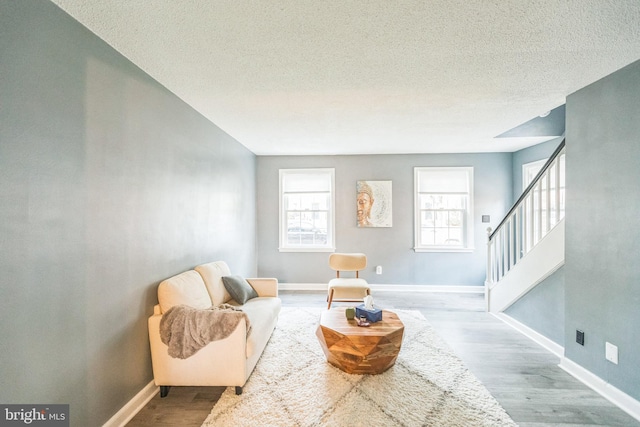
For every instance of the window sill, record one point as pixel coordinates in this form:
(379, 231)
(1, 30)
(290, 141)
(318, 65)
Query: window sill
(445, 250)
(323, 249)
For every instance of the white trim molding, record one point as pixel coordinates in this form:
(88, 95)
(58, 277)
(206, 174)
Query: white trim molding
(534, 336)
(387, 287)
(131, 408)
(616, 396)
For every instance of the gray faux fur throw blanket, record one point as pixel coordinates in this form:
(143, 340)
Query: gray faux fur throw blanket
(185, 330)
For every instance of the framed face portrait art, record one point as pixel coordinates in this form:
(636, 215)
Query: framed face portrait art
(373, 204)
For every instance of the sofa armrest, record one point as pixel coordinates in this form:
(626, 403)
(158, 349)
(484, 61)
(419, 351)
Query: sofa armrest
(265, 287)
(219, 363)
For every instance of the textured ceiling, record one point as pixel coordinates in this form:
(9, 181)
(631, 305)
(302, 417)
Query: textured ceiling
(370, 76)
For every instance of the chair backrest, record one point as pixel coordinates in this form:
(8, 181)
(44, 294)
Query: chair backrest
(347, 262)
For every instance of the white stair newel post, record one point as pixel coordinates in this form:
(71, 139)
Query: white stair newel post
(489, 279)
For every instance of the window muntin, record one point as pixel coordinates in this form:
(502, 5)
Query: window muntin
(444, 208)
(306, 210)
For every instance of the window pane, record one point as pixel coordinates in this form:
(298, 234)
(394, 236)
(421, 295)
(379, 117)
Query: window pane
(427, 219)
(293, 219)
(455, 237)
(307, 228)
(439, 202)
(300, 201)
(427, 236)
(530, 170)
(443, 201)
(292, 202)
(313, 201)
(455, 219)
(456, 201)
(441, 218)
(427, 201)
(441, 236)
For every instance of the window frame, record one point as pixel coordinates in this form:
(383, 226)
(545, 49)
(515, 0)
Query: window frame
(468, 218)
(284, 245)
(527, 177)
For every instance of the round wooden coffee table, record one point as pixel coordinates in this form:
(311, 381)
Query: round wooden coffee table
(356, 349)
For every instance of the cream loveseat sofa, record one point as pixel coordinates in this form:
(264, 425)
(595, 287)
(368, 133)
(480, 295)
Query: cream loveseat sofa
(226, 362)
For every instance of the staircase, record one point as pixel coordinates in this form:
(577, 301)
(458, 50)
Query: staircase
(528, 245)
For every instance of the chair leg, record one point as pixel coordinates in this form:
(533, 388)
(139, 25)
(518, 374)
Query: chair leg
(238, 390)
(330, 299)
(164, 390)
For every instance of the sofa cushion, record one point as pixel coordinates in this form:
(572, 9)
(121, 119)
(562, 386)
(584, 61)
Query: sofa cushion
(186, 288)
(212, 275)
(263, 314)
(239, 289)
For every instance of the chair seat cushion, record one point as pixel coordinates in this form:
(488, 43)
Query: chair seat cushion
(348, 283)
(348, 288)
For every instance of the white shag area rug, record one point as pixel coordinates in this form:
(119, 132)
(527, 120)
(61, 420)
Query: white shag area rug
(294, 385)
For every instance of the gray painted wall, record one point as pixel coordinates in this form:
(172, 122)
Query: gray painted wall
(602, 233)
(108, 184)
(389, 247)
(542, 308)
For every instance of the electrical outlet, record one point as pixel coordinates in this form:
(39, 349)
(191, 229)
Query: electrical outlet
(580, 337)
(611, 352)
(379, 269)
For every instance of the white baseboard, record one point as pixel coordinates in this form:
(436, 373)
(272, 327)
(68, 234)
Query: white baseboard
(429, 288)
(389, 287)
(302, 286)
(128, 411)
(543, 341)
(600, 386)
(616, 396)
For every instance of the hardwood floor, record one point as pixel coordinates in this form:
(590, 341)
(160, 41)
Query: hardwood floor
(521, 375)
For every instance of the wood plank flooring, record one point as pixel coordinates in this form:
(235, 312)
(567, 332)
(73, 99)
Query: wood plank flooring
(521, 375)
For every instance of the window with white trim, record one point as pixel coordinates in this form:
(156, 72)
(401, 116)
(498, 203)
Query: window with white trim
(530, 170)
(443, 209)
(307, 210)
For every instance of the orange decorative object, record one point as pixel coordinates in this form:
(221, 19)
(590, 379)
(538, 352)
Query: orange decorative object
(357, 350)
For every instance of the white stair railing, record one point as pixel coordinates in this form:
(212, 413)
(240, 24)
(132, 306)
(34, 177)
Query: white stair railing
(540, 208)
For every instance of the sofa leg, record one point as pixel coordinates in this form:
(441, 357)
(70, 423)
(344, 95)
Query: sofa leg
(238, 390)
(164, 390)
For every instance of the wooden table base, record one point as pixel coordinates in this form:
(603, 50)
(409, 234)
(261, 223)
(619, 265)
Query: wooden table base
(360, 350)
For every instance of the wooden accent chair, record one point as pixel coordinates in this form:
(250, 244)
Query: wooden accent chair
(347, 288)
